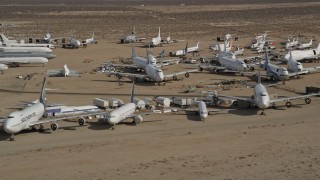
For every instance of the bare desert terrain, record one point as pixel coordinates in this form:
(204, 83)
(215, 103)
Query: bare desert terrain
(230, 144)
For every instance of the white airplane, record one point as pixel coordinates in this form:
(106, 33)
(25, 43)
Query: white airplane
(293, 43)
(124, 112)
(26, 52)
(295, 67)
(275, 72)
(228, 64)
(30, 117)
(9, 43)
(238, 51)
(91, 40)
(155, 41)
(3, 67)
(63, 72)
(17, 61)
(132, 37)
(261, 98)
(259, 42)
(216, 47)
(305, 45)
(184, 52)
(304, 54)
(202, 110)
(74, 43)
(153, 73)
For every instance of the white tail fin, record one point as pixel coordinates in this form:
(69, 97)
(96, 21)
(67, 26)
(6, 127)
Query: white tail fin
(159, 33)
(133, 51)
(66, 70)
(259, 75)
(318, 47)
(197, 46)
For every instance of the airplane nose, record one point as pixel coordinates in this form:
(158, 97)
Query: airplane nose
(8, 128)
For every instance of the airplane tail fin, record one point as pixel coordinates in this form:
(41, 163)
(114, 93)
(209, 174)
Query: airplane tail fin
(186, 49)
(66, 70)
(133, 51)
(259, 75)
(159, 33)
(197, 44)
(134, 30)
(266, 57)
(147, 56)
(225, 46)
(318, 47)
(42, 98)
(290, 57)
(132, 91)
(162, 53)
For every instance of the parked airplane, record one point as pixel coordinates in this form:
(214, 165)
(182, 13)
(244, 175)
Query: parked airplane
(155, 41)
(132, 38)
(296, 67)
(30, 117)
(152, 73)
(304, 54)
(305, 45)
(293, 43)
(9, 43)
(261, 98)
(91, 40)
(202, 110)
(228, 64)
(73, 43)
(26, 52)
(63, 72)
(3, 67)
(216, 47)
(126, 111)
(17, 61)
(238, 51)
(184, 52)
(275, 72)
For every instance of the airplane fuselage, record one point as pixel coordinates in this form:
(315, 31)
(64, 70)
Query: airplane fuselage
(304, 54)
(20, 120)
(280, 72)
(26, 52)
(121, 113)
(23, 60)
(203, 112)
(232, 64)
(261, 96)
(154, 73)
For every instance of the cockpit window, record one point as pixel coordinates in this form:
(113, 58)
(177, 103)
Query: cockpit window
(10, 117)
(263, 94)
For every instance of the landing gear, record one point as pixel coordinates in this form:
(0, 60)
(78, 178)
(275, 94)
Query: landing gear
(274, 106)
(262, 112)
(307, 100)
(113, 127)
(12, 137)
(288, 104)
(41, 128)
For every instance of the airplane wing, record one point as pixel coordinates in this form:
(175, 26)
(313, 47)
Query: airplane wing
(2, 120)
(186, 73)
(51, 120)
(54, 72)
(125, 65)
(236, 98)
(128, 75)
(287, 99)
(298, 73)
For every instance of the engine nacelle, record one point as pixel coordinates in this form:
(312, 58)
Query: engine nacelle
(138, 119)
(81, 121)
(54, 126)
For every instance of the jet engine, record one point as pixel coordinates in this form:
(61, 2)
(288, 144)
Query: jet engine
(307, 100)
(138, 119)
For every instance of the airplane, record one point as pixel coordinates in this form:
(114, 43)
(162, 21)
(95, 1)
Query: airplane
(293, 43)
(63, 72)
(155, 41)
(202, 110)
(73, 43)
(124, 112)
(275, 72)
(261, 98)
(17, 61)
(131, 38)
(228, 63)
(216, 47)
(153, 73)
(296, 67)
(183, 52)
(304, 54)
(3, 67)
(31, 116)
(26, 52)
(91, 40)
(305, 45)
(238, 52)
(9, 43)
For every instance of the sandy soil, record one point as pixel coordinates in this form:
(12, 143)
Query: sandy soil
(231, 144)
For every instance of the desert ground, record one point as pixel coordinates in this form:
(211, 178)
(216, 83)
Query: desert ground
(230, 144)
